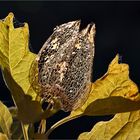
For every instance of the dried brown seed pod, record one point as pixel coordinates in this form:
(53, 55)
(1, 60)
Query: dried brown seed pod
(64, 65)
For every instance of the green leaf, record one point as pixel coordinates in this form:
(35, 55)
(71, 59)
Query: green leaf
(3, 137)
(5, 120)
(124, 126)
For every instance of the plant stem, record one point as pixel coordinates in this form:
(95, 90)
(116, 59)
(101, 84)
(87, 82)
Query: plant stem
(25, 131)
(42, 127)
(66, 119)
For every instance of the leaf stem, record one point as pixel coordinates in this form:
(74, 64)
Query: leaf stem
(64, 120)
(42, 126)
(25, 131)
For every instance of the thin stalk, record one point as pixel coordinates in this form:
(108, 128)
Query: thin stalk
(67, 119)
(25, 131)
(42, 127)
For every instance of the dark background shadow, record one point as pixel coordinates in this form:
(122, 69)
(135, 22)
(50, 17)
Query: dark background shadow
(117, 31)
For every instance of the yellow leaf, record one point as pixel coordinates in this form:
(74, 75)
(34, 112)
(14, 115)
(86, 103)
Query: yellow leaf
(3, 137)
(124, 126)
(111, 105)
(16, 60)
(14, 53)
(4, 61)
(28, 110)
(115, 82)
(5, 120)
(112, 93)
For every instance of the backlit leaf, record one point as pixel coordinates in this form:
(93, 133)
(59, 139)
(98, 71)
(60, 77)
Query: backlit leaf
(105, 91)
(112, 105)
(28, 110)
(113, 93)
(5, 120)
(124, 126)
(3, 137)
(14, 52)
(16, 60)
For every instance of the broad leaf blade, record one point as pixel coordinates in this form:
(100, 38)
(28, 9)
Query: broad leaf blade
(4, 61)
(112, 105)
(16, 61)
(14, 53)
(3, 137)
(5, 119)
(115, 82)
(112, 93)
(104, 93)
(28, 110)
(15, 49)
(124, 126)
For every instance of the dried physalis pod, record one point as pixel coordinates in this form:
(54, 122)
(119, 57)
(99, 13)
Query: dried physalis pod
(65, 65)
